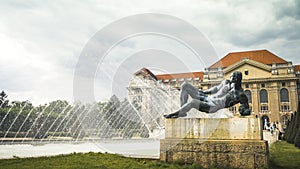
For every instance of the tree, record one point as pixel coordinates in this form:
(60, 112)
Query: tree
(290, 130)
(48, 117)
(3, 101)
(112, 110)
(292, 134)
(15, 118)
(287, 131)
(297, 128)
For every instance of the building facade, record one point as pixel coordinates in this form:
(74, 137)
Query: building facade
(270, 83)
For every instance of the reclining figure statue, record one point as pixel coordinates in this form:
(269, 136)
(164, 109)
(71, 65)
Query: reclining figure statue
(226, 94)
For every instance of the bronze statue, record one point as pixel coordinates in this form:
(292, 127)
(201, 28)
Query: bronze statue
(226, 94)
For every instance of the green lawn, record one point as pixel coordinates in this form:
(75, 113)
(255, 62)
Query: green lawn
(88, 161)
(282, 156)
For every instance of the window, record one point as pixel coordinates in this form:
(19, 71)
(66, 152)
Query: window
(246, 85)
(263, 96)
(220, 74)
(248, 94)
(285, 108)
(246, 72)
(264, 108)
(275, 72)
(283, 84)
(284, 95)
(263, 85)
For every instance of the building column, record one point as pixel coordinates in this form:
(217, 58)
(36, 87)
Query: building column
(274, 103)
(255, 99)
(293, 96)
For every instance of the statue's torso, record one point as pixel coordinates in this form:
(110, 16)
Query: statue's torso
(226, 97)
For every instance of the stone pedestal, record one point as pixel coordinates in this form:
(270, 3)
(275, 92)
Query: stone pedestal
(217, 142)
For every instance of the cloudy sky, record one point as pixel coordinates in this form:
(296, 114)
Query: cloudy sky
(42, 41)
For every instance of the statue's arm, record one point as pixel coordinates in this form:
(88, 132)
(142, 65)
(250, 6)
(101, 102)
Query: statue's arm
(214, 89)
(244, 106)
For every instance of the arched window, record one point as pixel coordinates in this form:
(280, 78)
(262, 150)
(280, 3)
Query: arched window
(263, 95)
(248, 94)
(284, 95)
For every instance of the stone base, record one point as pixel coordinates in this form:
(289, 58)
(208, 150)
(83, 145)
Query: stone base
(221, 143)
(214, 128)
(216, 153)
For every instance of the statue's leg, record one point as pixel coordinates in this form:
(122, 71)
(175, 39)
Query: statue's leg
(182, 112)
(186, 90)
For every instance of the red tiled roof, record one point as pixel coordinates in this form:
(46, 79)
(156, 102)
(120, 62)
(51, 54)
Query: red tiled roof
(180, 75)
(145, 72)
(262, 56)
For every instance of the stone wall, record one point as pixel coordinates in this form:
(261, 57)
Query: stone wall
(222, 143)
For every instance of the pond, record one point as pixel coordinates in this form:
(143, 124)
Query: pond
(132, 148)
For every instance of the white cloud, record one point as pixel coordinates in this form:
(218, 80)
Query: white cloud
(27, 76)
(42, 40)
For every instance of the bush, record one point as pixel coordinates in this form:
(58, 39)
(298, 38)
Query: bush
(61, 134)
(13, 134)
(297, 129)
(292, 134)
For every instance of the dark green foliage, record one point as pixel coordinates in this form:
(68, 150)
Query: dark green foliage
(16, 109)
(13, 134)
(19, 119)
(3, 101)
(297, 129)
(290, 129)
(122, 120)
(292, 133)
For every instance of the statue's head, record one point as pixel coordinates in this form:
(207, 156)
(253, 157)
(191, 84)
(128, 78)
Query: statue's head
(236, 77)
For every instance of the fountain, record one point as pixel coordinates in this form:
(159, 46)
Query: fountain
(107, 125)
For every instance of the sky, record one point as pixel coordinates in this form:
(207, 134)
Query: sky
(42, 42)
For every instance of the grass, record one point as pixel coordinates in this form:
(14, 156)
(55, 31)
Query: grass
(282, 156)
(88, 161)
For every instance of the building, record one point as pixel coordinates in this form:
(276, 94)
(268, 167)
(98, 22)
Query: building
(270, 83)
